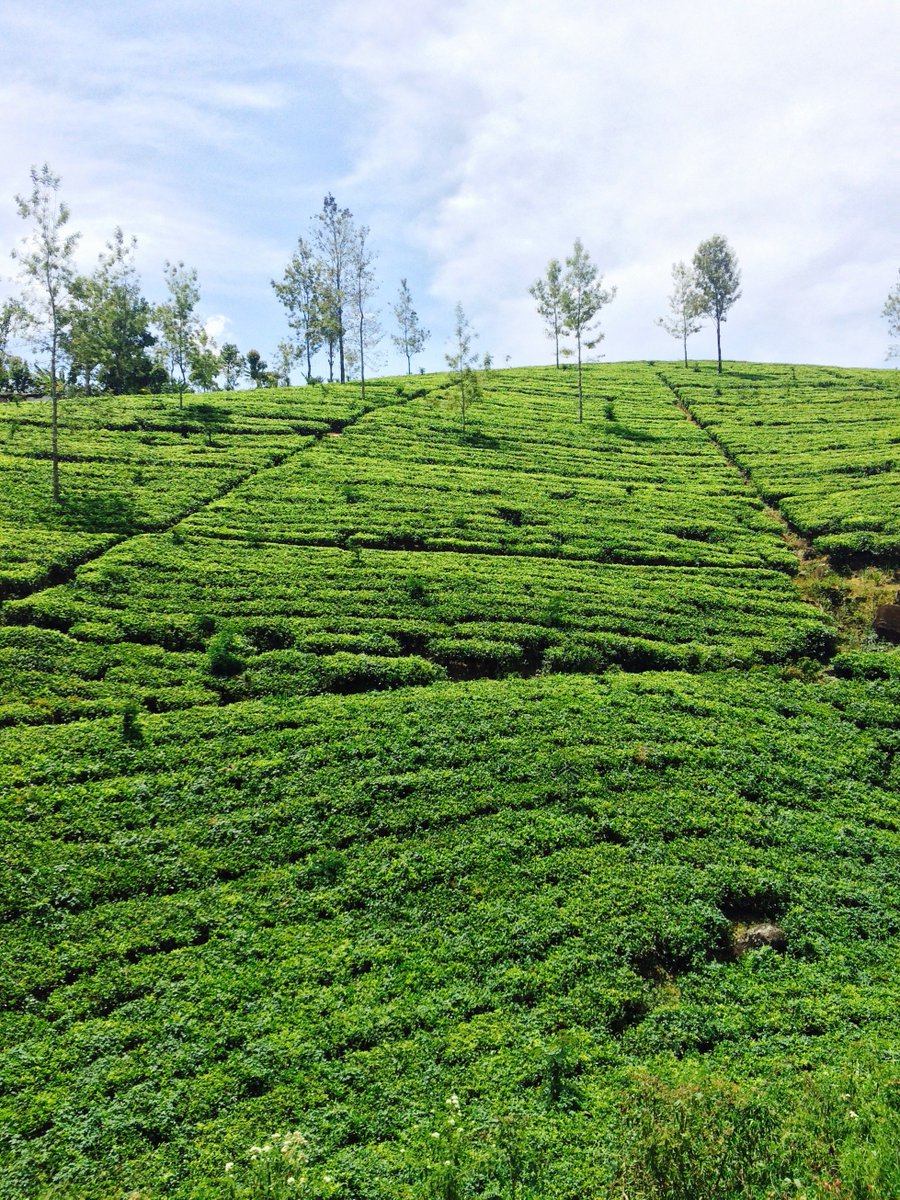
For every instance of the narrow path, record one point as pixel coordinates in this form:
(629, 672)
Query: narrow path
(791, 535)
(847, 599)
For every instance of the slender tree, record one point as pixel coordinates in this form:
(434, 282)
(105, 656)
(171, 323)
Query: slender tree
(257, 368)
(45, 260)
(204, 361)
(548, 292)
(462, 360)
(581, 301)
(286, 355)
(178, 323)
(684, 306)
(411, 337)
(300, 291)
(891, 313)
(361, 276)
(717, 278)
(334, 238)
(232, 364)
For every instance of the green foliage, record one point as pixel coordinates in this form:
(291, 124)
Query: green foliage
(223, 654)
(326, 799)
(817, 442)
(109, 335)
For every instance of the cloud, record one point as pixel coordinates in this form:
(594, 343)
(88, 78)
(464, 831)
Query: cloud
(641, 128)
(477, 142)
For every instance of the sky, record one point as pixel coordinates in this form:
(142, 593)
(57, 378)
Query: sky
(477, 139)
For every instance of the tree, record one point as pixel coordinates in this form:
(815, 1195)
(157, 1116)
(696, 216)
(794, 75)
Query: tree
(548, 293)
(45, 260)
(581, 299)
(412, 337)
(300, 291)
(204, 361)
(232, 364)
(12, 319)
(257, 369)
(891, 313)
(334, 238)
(178, 323)
(110, 323)
(286, 356)
(361, 287)
(684, 306)
(717, 278)
(461, 360)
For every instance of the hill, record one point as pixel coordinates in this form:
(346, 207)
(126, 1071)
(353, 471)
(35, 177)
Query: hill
(411, 793)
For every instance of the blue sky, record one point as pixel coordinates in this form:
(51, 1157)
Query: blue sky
(478, 143)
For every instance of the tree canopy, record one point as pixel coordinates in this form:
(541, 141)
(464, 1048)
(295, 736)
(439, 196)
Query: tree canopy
(717, 279)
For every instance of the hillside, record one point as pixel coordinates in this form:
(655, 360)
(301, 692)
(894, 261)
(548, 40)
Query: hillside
(413, 789)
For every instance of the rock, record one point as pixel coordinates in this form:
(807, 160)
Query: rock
(887, 621)
(752, 937)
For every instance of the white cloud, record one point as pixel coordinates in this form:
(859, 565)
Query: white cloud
(642, 129)
(217, 325)
(477, 142)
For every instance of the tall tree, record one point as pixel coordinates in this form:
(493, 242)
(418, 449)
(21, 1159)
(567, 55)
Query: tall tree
(549, 292)
(232, 364)
(178, 323)
(891, 313)
(461, 360)
(45, 259)
(110, 323)
(203, 361)
(334, 239)
(718, 281)
(12, 318)
(582, 298)
(285, 357)
(684, 306)
(300, 291)
(411, 337)
(257, 369)
(361, 287)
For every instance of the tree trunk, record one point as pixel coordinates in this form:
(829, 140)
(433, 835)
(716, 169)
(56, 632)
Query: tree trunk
(580, 413)
(719, 344)
(685, 350)
(54, 424)
(362, 360)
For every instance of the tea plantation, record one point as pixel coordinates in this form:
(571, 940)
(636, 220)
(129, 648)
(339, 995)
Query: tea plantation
(387, 810)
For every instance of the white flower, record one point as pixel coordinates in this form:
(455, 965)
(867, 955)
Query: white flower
(229, 1166)
(435, 1135)
(291, 1179)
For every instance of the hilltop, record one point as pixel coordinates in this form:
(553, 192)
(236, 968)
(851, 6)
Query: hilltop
(416, 788)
